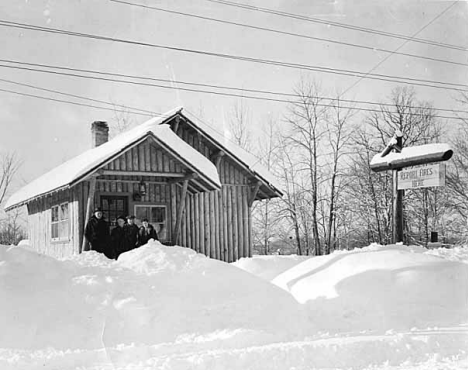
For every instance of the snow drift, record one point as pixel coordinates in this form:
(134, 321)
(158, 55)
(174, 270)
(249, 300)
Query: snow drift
(380, 288)
(152, 294)
(170, 308)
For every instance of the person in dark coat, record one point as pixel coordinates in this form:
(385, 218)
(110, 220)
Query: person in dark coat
(132, 232)
(97, 234)
(147, 232)
(118, 238)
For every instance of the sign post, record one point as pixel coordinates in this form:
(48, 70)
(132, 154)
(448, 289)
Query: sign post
(396, 158)
(397, 195)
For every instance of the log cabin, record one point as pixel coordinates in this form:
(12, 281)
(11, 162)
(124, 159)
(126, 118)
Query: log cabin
(196, 187)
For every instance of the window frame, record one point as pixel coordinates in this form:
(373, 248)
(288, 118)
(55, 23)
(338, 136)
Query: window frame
(60, 221)
(165, 223)
(114, 196)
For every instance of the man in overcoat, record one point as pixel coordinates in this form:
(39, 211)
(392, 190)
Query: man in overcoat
(97, 234)
(131, 233)
(118, 240)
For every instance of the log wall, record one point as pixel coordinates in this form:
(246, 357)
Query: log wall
(216, 223)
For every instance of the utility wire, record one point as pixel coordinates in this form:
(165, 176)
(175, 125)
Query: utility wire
(69, 102)
(203, 85)
(403, 44)
(423, 82)
(190, 89)
(392, 52)
(152, 114)
(339, 24)
(82, 97)
(351, 73)
(375, 49)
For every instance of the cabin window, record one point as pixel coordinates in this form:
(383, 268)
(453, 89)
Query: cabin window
(114, 206)
(156, 216)
(60, 224)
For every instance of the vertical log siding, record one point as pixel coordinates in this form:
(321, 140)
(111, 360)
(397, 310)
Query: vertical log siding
(216, 223)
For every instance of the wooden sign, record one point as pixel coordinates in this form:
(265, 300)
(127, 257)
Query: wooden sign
(422, 176)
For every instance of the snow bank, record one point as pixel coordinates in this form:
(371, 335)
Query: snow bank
(453, 254)
(268, 267)
(380, 288)
(170, 308)
(151, 295)
(23, 243)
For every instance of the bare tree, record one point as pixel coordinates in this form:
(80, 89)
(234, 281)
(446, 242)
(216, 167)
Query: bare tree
(9, 166)
(123, 120)
(265, 215)
(288, 171)
(457, 178)
(338, 138)
(307, 119)
(11, 230)
(417, 121)
(239, 125)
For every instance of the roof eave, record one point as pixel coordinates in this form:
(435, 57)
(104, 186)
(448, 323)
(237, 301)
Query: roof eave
(29, 200)
(236, 159)
(213, 184)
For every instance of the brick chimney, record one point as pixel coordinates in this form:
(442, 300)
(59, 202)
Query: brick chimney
(99, 133)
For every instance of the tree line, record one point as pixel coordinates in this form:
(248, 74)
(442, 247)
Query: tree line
(321, 151)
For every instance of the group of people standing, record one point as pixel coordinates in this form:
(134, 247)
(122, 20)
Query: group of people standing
(123, 238)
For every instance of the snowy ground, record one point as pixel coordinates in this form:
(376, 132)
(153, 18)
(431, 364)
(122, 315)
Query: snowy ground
(159, 307)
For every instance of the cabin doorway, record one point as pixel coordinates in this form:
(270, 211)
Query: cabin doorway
(114, 206)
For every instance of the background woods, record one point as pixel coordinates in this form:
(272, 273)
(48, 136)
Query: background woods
(332, 198)
(320, 149)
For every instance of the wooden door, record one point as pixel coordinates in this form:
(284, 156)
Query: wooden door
(114, 206)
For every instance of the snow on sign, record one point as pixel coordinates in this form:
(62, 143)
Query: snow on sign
(422, 176)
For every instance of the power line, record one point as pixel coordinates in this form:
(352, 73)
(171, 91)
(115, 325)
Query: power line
(344, 72)
(339, 25)
(371, 48)
(425, 83)
(403, 44)
(185, 89)
(203, 85)
(392, 52)
(92, 106)
(69, 102)
(81, 97)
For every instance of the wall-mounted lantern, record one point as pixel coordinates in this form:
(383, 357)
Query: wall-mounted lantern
(142, 188)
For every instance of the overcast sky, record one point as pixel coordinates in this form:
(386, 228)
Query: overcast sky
(45, 133)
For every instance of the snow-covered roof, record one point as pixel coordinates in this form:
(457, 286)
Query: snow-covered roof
(410, 156)
(84, 164)
(248, 160)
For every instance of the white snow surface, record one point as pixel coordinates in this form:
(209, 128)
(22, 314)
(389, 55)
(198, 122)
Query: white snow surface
(75, 168)
(268, 267)
(159, 307)
(415, 152)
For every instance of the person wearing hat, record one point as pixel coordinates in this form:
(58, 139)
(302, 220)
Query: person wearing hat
(131, 233)
(147, 232)
(118, 240)
(97, 233)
